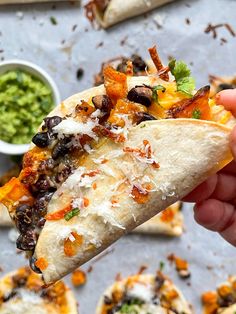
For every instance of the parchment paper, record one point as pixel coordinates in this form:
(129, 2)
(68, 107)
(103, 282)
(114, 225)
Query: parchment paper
(27, 33)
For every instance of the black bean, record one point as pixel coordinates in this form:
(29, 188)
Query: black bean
(44, 184)
(102, 102)
(41, 223)
(26, 241)
(41, 202)
(33, 266)
(46, 165)
(141, 95)
(139, 64)
(61, 148)
(41, 139)
(224, 86)
(50, 122)
(63, 173)
(107, 300)
(143, 116)
(24, 217)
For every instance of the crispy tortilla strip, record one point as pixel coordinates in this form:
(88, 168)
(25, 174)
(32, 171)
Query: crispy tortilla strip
(22, 290)
(169, 222)
(141, 288)
(202, 149)
(119, 10)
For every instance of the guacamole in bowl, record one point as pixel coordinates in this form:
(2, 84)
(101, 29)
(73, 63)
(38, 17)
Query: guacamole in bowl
(27, 95)
(24, 101)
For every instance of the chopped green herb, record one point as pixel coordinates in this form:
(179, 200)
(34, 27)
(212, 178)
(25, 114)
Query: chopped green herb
(128, 309)
(196, 114)
(72, 213)
(143, 126)
(154, 92)
(53, 20)
(184, 80)
(161, 265)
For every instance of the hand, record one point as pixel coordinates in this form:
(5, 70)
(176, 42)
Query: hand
(215, 199)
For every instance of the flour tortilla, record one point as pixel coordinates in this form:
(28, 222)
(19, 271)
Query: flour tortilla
(180, 304)
(157, 226)
(188, 152)
(120, 10)
(32, 302)
(5, 219)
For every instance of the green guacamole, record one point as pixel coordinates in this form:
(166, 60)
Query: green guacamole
(24, 101)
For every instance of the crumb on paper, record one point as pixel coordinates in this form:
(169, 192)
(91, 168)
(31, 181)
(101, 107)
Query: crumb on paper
(53, 20)
(159, 20)
(74, 27)
(124, 40)
(78, 278)
(187, 21)
(118, 277)
(20, 15)
(100, 44)
(212, 29)
(181, 265)
(90, 269)
(79, 74)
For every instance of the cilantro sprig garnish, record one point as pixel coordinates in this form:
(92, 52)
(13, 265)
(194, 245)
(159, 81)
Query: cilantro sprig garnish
(72, 213)
(185, 82)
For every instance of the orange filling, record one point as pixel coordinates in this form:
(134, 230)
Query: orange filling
(59, 214)
(139, 196)
(41, 263)
(167, 215)
(71, 246)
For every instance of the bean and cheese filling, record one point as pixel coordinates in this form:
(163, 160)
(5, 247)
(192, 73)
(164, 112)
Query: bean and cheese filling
(63, 142)
(21, 292)
(141, 294)
(220, 300)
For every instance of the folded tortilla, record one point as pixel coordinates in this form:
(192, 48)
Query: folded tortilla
(120, 10)
(21, 292)
(143, 293)
(186, 151)
(203, 149)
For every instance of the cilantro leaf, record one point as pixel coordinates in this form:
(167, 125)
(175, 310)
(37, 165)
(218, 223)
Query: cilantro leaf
(196, 114)
(154, 91)
(72, 213)
(184, 80)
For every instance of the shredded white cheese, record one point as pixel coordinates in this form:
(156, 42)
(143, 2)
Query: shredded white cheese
(142, 292)
(70, 126)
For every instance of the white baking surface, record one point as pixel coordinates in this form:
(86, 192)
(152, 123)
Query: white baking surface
(26, 32)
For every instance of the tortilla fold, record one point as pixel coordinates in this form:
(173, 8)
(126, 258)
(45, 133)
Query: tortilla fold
(188, 151)
(119, 10)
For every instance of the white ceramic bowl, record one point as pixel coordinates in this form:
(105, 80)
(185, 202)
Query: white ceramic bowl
(18, 149)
